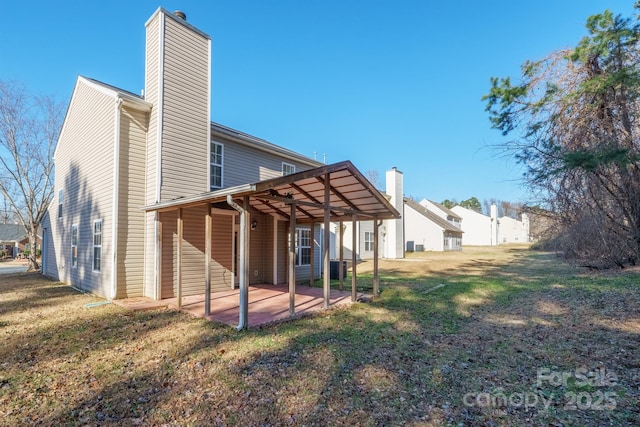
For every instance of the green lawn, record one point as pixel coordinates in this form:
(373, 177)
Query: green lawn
(512, 338)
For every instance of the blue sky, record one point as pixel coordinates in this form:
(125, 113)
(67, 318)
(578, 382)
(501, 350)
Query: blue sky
(380, 83)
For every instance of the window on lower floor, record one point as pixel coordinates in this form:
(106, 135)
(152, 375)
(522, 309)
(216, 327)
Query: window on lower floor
(368, 240)
(97, 245)
(74, 245)
(303, 247)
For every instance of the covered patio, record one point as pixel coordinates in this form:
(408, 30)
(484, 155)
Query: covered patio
(266, 303)
(320, 196)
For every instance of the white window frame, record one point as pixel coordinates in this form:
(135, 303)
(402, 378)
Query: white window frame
(368, 241)
(60, 200)
(288, 169)
(212, 165)
(97, 247)
(300, 246)
(74, 245)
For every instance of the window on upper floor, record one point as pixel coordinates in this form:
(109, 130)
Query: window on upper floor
(288, 169)
(97, 245)
(216, 167)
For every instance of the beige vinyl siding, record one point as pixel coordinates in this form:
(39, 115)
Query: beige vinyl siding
(169, 253)
(193, 272)
(193, 250)
(84, 170)
(283, 251)
(150, 254)
(222, 252)
(185, 109)
(130, 260)
(193, 261)
(269, 237)
(152, 91)
(49, 249)
(243, 164)
(258, 253)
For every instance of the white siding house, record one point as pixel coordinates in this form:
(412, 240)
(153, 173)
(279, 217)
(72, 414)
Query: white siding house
(511, 230)
(443, 212)
(427, 231)
(479, 229)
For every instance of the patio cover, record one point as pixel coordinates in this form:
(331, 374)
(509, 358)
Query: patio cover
(330, 193)
(350, 193)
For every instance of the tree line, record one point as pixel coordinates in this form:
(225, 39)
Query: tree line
(573, 122)
(503, 207)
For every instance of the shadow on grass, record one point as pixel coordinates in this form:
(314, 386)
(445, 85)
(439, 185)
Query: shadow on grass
(409, 357)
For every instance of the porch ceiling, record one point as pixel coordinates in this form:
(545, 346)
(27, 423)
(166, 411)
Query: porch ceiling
(350, 193)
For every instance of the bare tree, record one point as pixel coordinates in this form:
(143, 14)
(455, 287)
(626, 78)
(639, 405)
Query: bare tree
(373, 176)
(576, 116)
(29, 128)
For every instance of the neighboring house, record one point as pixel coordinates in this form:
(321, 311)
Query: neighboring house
(153, 199)
(426, 230)
(420, 228)
(511, 230)
(390, 232)
(10, 237)
(482, 230)
(14, 240)
(479, 229)
(443, 212)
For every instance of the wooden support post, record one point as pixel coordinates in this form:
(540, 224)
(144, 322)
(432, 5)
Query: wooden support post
(327, 237)
(292, 261)
(354, 259)
(313, 254)
(376, 289)
(341, 257)
(207, 262)
(179, 256)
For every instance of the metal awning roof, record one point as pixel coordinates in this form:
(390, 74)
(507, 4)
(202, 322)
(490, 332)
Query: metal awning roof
(349, 193)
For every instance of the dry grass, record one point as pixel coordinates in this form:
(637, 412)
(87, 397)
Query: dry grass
(412, 357)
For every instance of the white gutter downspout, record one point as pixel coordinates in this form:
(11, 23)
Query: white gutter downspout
(244, 262)
(115, 205)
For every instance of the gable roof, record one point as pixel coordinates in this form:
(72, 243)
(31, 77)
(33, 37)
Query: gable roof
(11, 232)
(444, 209)
(439, 221)
(261, 144)
(128, 98)
(350, 193)
(467, 212)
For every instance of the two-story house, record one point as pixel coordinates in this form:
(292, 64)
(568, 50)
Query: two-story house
(154, 199)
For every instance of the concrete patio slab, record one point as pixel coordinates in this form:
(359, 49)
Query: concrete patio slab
(267, 304)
